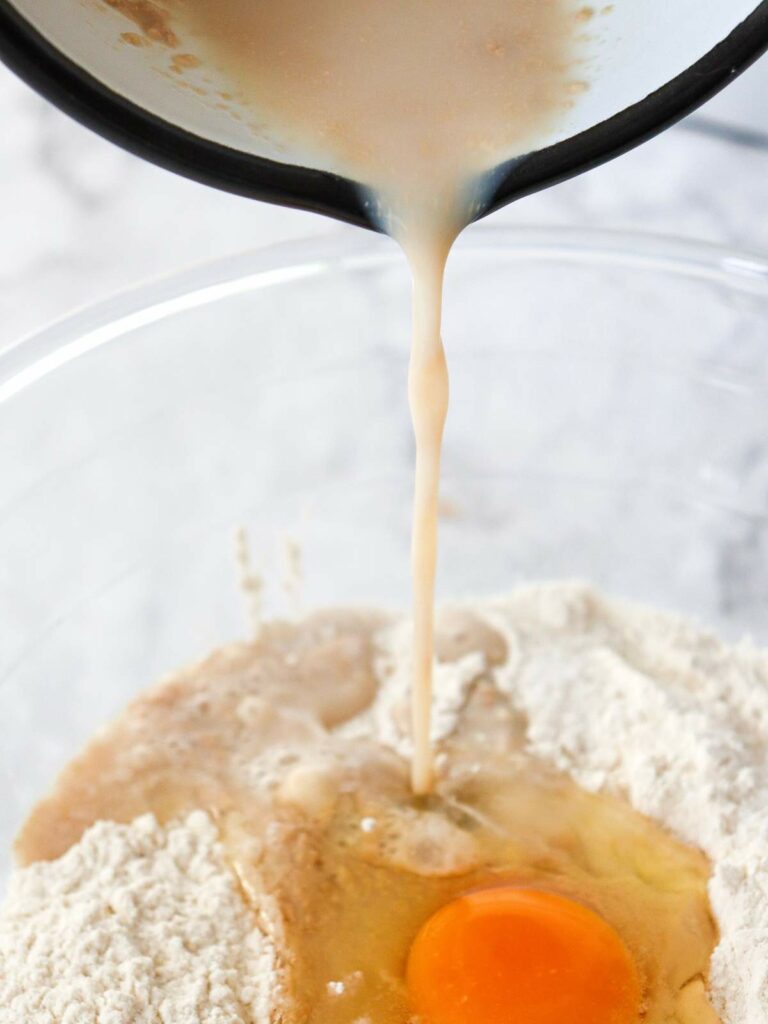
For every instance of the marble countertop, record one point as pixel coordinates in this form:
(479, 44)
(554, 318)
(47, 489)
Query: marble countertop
(81, 219)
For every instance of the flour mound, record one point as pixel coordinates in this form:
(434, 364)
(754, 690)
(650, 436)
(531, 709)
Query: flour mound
(136, 924)
(139, 924)
(640, 703)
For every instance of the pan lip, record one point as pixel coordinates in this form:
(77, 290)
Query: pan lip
(78, 93)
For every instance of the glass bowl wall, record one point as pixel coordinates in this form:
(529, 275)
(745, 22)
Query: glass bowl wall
(608, 422)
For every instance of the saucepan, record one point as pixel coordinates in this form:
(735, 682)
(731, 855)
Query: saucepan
(654, 61)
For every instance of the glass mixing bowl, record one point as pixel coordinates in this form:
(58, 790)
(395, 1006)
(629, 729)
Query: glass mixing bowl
(608, 422)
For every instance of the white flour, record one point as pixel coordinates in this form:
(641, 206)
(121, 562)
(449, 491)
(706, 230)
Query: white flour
(387, 721)
(136, 924)
(144, 925)
(637, 702)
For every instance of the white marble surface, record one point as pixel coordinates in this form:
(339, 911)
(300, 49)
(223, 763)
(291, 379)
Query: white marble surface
(80, 219)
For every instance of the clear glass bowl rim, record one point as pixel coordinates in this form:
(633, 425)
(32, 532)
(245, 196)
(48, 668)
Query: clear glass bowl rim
(41, 353)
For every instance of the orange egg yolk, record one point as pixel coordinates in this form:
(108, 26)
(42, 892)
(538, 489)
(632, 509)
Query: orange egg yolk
(521, 956)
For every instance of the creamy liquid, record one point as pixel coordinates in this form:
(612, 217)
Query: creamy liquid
(415, 100)
(428, 397)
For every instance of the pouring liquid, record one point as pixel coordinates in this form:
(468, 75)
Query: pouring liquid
(417, 100)
(428, 396)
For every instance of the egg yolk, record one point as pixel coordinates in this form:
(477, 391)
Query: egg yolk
(521, 956)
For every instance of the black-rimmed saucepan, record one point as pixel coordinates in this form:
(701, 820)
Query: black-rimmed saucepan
(655, 60)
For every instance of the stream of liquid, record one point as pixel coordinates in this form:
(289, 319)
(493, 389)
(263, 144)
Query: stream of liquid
(417, 101)
(428, 397)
